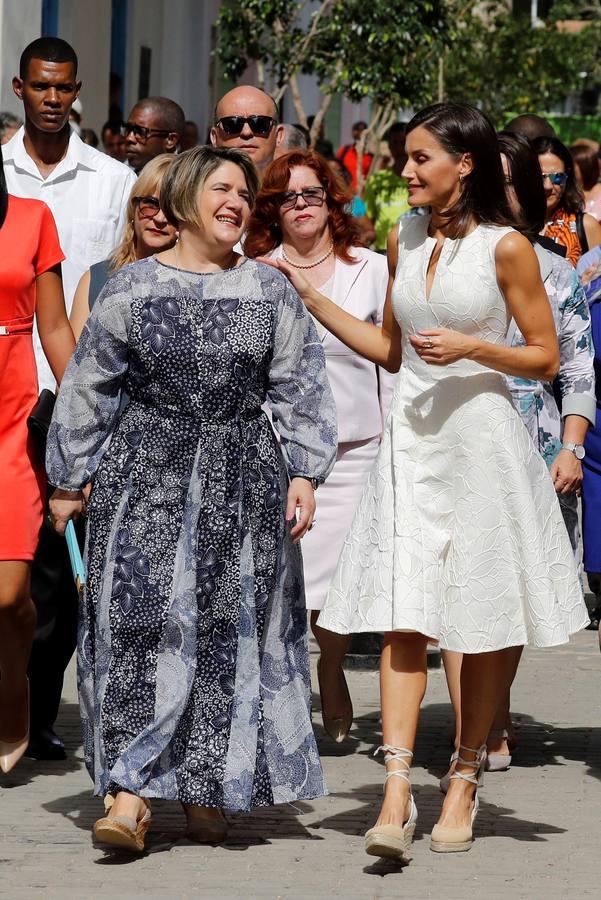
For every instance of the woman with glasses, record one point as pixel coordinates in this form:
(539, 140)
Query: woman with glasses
(147, 231)
(458, 535)
(301, 216)
(566, 222)
(558, 434)
(193, 660)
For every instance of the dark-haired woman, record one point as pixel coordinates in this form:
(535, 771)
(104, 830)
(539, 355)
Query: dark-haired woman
(566, 222)
(559, 435)
(300, 216)
(30, 285)
(193, 660)
(587, 170)
(458, 535)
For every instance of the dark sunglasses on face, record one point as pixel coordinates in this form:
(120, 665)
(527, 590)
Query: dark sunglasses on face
(148, 207)
(556, 178)
(233, 125)
(141, 133)
(313, 196)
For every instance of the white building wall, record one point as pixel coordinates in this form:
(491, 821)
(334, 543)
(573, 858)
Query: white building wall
(87, 27)
(179, 34)
(20, 23)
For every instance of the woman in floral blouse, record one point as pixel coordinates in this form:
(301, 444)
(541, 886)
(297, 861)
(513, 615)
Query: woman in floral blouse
(557, 414)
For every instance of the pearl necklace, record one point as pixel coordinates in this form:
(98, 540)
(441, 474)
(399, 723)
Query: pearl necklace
(309, 265)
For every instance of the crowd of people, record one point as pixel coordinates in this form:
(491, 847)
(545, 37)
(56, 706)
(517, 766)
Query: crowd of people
(194, 340)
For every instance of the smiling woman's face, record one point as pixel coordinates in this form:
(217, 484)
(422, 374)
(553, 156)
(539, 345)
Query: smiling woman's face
(433, 174)
(224, 205)
(303, 221)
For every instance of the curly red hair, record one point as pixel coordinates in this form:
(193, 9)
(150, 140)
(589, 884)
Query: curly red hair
(264, 232)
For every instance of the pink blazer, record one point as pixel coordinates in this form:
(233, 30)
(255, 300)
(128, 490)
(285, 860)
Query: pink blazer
(362, 391)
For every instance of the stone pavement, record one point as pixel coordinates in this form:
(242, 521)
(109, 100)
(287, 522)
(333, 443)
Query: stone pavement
(537, 833)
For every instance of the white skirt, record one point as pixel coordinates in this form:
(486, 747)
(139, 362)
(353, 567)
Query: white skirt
(337, 500)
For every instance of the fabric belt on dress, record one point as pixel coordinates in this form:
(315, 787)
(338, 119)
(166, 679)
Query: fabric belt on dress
(17, 326)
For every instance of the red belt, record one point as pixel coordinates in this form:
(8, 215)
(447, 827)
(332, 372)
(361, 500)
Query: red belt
(24, 326)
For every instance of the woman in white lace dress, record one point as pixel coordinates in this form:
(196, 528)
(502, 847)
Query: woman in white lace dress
(458, 536)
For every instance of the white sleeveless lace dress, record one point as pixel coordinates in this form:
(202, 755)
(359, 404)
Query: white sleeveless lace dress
(459, 534)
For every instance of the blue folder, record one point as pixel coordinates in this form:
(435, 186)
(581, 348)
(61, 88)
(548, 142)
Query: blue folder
(79, 573)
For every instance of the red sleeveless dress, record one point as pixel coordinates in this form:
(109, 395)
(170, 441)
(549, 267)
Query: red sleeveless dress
(29, 246)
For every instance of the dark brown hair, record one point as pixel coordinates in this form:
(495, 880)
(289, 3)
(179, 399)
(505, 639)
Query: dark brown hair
(264, 232)
(460, 129)
(571, 200)
(587, 161)
(524, 169)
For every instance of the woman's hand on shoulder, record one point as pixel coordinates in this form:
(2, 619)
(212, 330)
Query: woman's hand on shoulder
(301, 497)
(294, 276)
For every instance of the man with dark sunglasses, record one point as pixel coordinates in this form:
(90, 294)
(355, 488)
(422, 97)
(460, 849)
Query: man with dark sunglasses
(247, 118)
(154, 126)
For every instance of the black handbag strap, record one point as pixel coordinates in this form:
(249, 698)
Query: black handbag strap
(581, 232)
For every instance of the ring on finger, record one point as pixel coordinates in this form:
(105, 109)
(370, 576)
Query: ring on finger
(428, 344)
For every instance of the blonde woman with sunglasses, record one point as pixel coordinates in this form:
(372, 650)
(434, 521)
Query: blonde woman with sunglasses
(147, 231)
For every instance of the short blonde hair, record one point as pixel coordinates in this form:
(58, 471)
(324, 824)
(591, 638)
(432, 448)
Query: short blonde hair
(148, 181)
(187, 175)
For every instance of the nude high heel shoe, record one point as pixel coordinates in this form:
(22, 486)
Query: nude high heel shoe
(394, 841)
(498, 762)
(451, 839)
(337, 728)
(11, 752)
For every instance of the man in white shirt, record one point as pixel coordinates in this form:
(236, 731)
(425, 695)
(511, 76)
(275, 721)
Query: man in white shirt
(87, 192)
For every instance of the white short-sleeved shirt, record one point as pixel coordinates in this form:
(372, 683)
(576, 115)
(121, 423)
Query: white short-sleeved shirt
(87, 193)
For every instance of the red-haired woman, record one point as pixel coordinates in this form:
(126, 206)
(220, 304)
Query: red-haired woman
(300, 216)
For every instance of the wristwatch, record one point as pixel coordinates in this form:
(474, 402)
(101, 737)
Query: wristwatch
(577, 449)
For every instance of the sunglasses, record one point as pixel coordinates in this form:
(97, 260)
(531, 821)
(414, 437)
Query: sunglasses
(313, 196)
(259, 125)
(148, 207)
(556, 178)
(140, 132)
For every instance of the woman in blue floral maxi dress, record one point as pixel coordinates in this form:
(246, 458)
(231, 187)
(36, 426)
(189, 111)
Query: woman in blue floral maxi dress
(193, 661)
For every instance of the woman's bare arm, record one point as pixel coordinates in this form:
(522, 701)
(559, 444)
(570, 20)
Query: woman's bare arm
(380, 345)
(592, 229)
(53, 325)
(81, 308)
(518, 276)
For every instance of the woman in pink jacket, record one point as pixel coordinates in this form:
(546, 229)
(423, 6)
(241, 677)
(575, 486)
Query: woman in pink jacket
(301, 216)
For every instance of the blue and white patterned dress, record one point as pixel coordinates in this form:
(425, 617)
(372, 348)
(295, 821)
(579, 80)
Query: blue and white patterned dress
(535, 400)
(193, 663)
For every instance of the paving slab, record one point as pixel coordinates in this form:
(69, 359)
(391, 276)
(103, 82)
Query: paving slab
(538, 833)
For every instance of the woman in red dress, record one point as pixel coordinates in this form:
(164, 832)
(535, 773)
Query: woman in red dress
(30, 283)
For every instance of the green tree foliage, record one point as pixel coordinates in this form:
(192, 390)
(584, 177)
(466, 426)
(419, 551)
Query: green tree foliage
(504, 64)
(384, 50)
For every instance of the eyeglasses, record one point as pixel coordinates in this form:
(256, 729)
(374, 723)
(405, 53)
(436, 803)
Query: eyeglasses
(556, 178)
(148, 207)
(259, 125)
(313, 196)
(140, 132)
